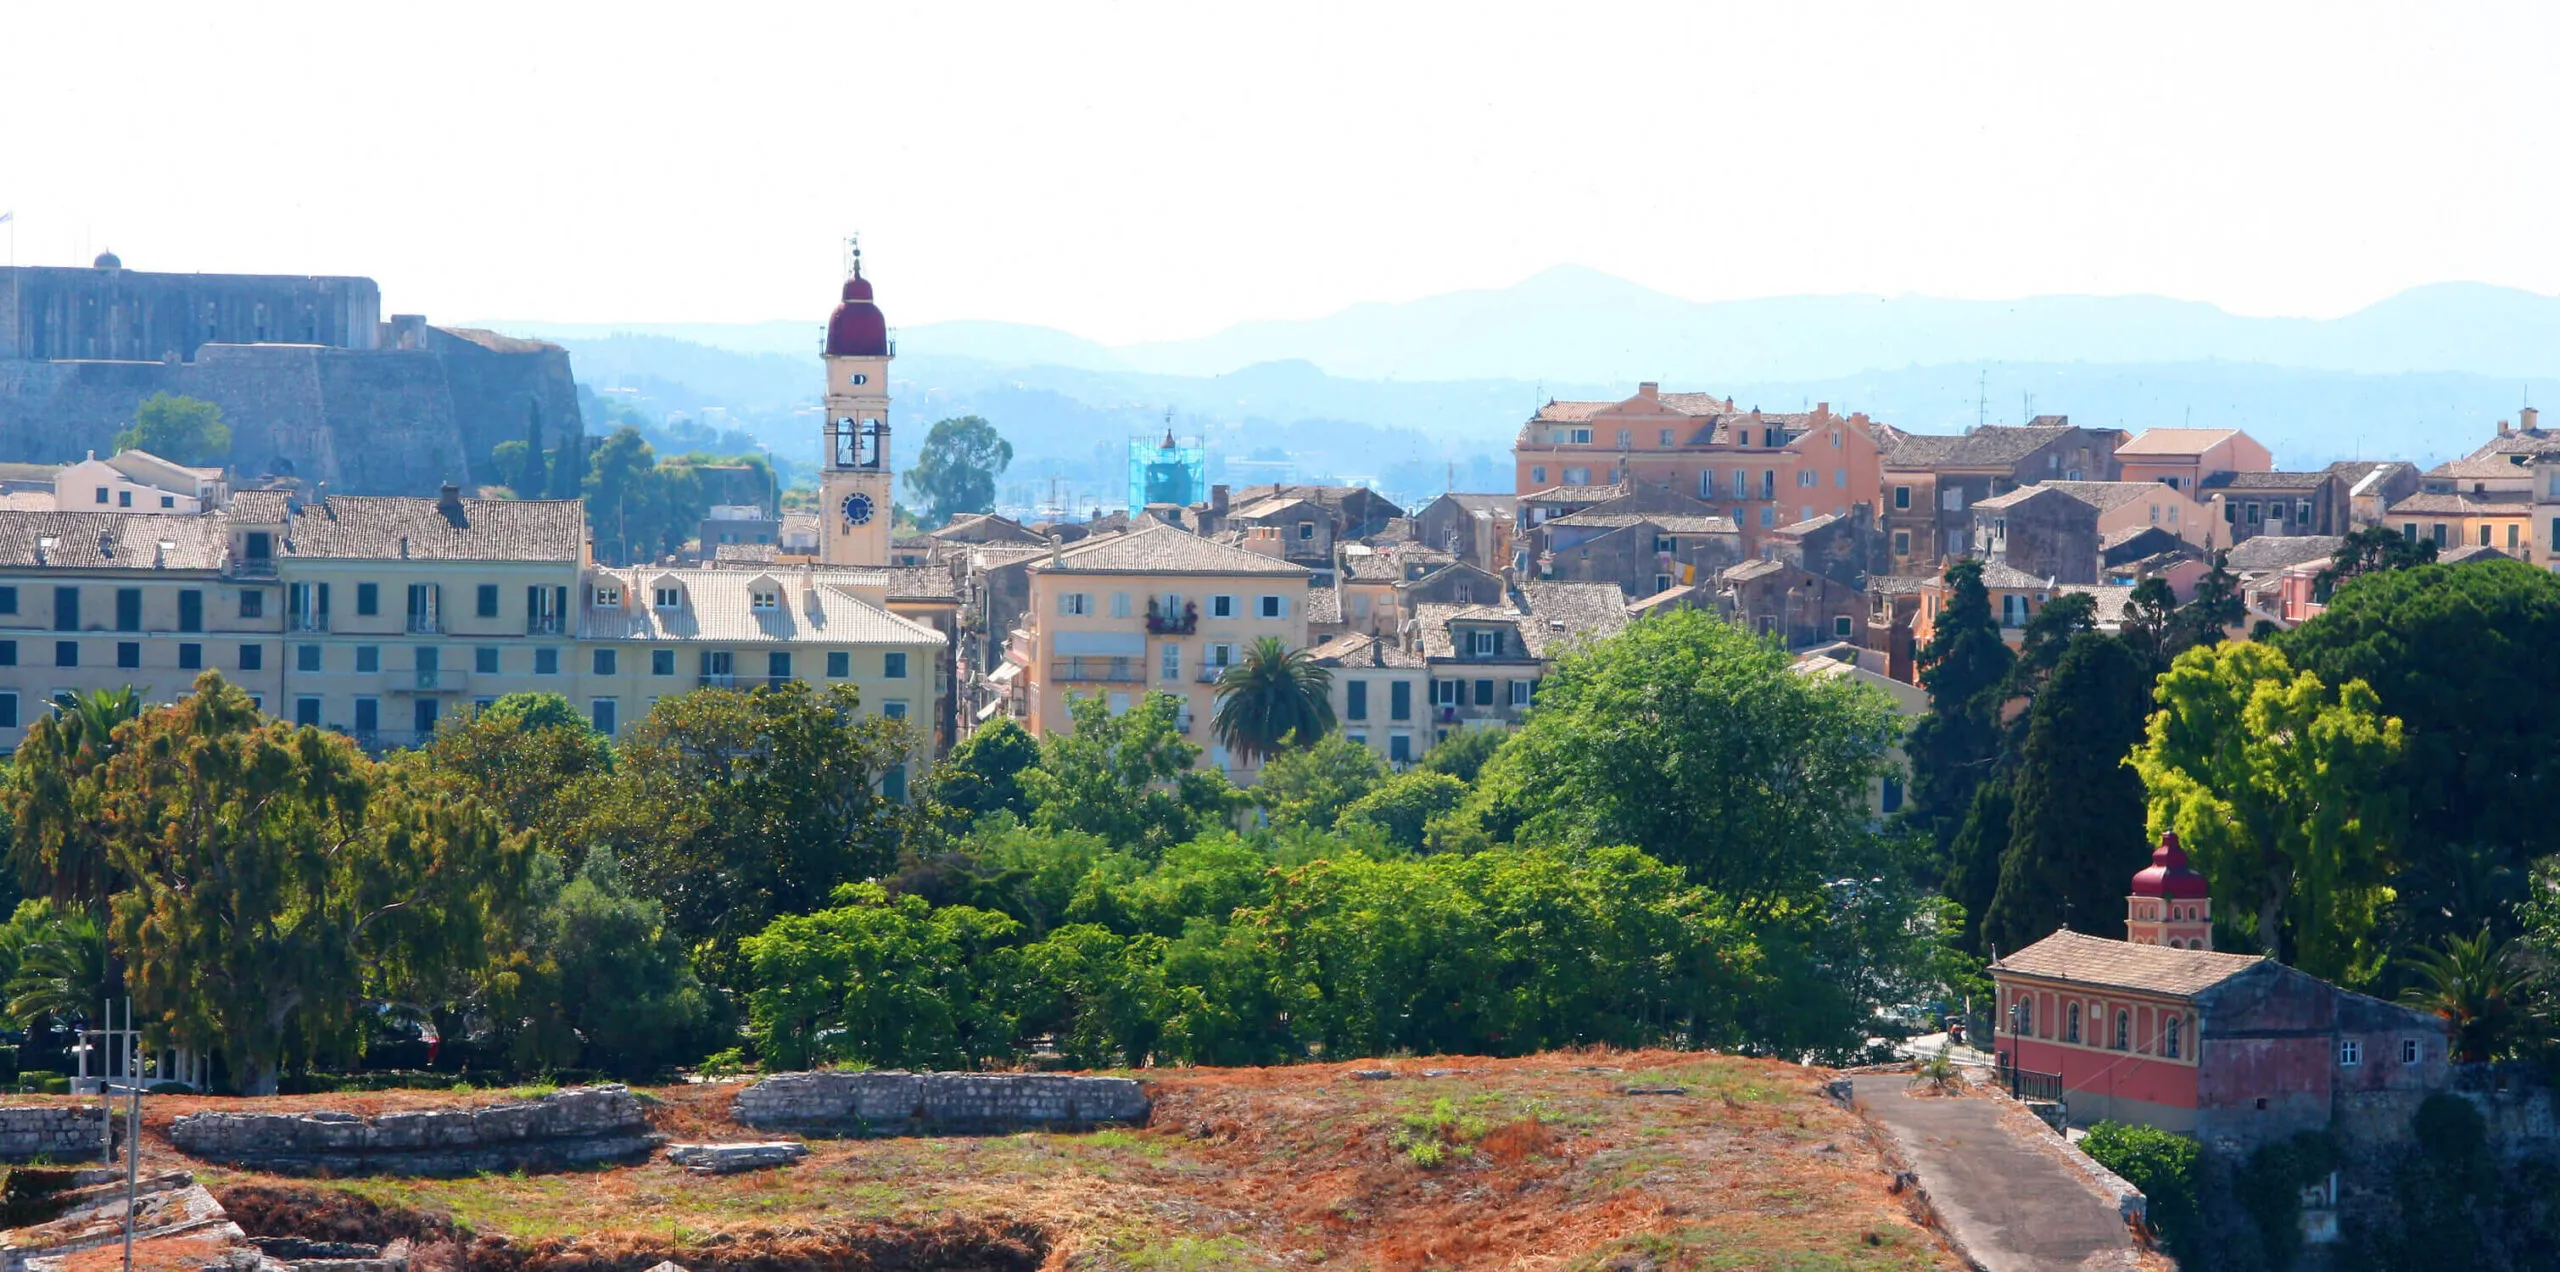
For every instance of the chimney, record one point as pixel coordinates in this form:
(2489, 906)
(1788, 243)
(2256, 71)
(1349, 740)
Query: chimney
(449, 499)
(1822, 410)
(1057, 549)
(2503, 430)
(1649, 390)
(1218, 499)
(2528, 419)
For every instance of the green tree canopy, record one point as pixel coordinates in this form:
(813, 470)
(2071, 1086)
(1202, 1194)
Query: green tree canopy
(1462, 754)
(957, 467)
(523, 755)
(2461, 654)
(2371, 550)
(2076, 833)
(2280, 789)
(1403, 806)
(1953, 748)
(56, 843)
(1309, 786)
(1126, 778)
(276, 875)
(182, 430)
(731, 807)
(887, 981)
(983, 774)
(1688, 737)
(1276, 694)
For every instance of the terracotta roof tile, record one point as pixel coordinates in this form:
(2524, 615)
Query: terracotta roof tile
(393, 528)
(1363, 650)
(2095, 960)
(2276, 551)
(1163, 549)
(112, 540)
(1991, 446)
(2176, 441)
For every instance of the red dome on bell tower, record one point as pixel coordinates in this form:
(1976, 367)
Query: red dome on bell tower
(2169, 875)
(857, 329)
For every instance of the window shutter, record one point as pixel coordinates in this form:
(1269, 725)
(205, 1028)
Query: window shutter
(324, 600)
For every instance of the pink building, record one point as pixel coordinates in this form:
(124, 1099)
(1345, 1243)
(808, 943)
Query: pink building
(2159, 1029)
(2182, 458)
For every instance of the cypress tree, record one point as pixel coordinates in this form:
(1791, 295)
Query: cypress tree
(1953, 748)
(2076, 835)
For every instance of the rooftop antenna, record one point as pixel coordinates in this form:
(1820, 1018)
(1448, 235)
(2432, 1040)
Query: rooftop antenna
(1982, 399)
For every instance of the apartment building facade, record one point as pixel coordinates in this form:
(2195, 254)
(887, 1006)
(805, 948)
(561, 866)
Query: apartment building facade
(1932, 481)
(1381, 696)
(1763, 470)
(384, 617)
(1155, 610)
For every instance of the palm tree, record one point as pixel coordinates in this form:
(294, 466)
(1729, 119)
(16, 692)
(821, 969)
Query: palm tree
(62, 969)
(56, 849)
(1275, 694)
(2483, 992)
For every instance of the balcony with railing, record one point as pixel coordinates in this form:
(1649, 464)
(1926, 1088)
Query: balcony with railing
(426, 625)
(248, 567)
(440, 679)
(1098, 670)
(299, 621)
(544, 625)
(1160, 623)
(1212, 673)
(716, 680)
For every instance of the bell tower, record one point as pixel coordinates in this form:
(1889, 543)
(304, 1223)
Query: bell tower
(855, 477)
(2169, 904)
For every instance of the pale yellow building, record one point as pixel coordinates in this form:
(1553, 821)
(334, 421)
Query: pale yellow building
(1156, 609)
(1381, 696)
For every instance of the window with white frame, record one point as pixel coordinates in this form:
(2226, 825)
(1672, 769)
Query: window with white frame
(2410, 1051)
(1520, 693)
(1222, 607)
(1074, 603)
(609, 595)
(764, 599)
(1119, 604)
(1444, 693)
(668, 597)
(2350, 1053)
(1484, 644)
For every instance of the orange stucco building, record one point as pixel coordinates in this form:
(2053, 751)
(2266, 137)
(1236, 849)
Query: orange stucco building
(1763, 469)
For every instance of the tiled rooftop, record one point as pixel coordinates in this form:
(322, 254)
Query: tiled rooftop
(812, 606)
(1991, 446)
(2174, 442)
(2096, 960)
(2276, 551)
(378, 527)
(2267, 481)
(1362, 650)
(1163, 549)
(112, 540)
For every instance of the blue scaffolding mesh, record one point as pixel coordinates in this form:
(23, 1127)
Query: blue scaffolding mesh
(1167, 469)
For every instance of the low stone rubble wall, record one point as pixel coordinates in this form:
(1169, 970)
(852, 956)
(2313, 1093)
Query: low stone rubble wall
(586, 1126)
(55, 1132)
(898, 1103)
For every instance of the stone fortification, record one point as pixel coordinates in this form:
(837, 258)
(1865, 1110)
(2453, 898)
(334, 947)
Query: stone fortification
(896, 1103)
(582, 1127)
(53, 1132)
(310, 380)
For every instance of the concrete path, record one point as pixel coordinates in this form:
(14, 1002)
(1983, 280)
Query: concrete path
(2011, 1203)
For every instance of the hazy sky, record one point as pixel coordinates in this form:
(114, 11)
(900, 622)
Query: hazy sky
(1131, 172)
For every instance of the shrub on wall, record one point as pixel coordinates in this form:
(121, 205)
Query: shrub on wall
(2160, 1163)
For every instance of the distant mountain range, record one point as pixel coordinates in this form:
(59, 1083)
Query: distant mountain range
(1420, 386)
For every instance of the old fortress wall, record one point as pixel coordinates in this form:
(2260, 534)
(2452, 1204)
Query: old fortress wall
(312, 382)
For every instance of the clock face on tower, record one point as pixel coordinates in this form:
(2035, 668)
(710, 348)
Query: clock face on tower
(857, 509)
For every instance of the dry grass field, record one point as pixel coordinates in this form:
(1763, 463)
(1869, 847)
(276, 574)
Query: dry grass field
(1548, 1162)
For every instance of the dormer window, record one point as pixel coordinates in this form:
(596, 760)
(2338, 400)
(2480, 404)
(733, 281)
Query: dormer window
(609, 595)
(670, 598)
(764, 599)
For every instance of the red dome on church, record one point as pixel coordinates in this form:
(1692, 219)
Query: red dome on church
(857, 330)
(2169, 875)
